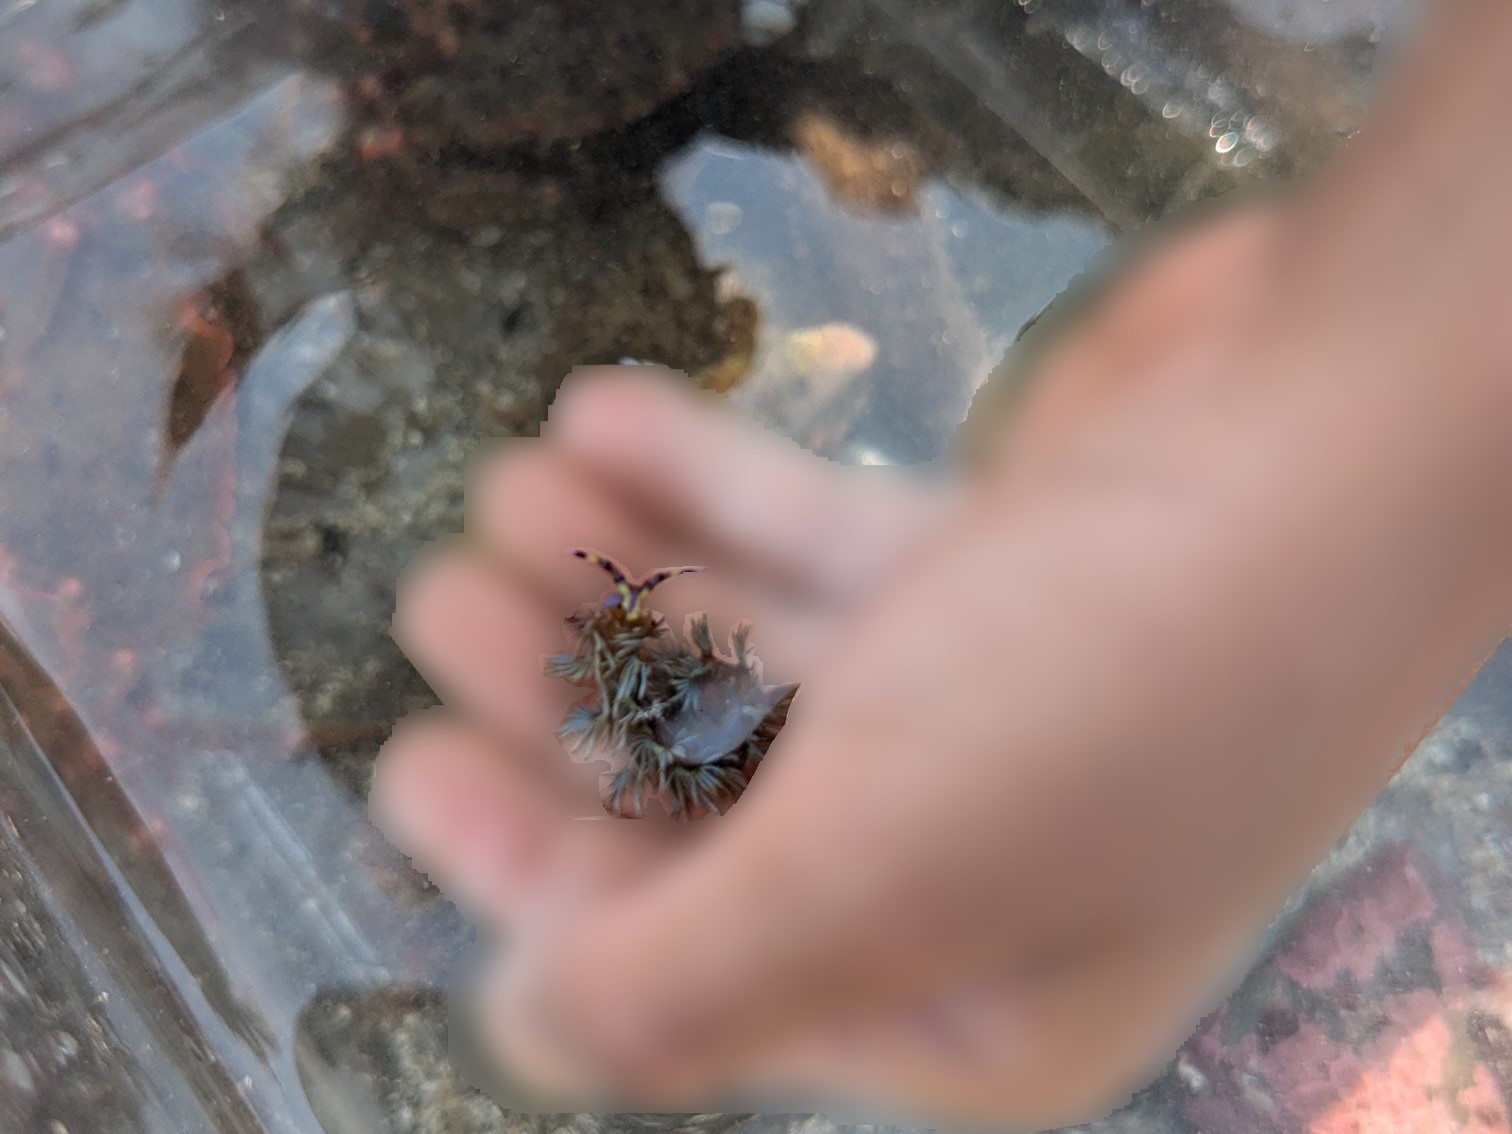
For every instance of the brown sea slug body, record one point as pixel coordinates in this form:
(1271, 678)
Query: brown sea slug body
(686, 724)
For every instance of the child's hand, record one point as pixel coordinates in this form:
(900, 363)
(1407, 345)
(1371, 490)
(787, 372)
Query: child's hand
(1063, 744)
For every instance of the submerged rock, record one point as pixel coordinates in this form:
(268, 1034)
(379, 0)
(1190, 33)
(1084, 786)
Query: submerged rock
(484, 75)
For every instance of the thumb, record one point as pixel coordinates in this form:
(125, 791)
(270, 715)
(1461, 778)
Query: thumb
(670, 992)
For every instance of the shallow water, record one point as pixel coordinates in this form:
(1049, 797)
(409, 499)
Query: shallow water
(250, 340)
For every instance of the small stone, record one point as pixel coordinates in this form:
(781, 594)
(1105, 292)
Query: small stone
(833, 349)
(64, 1048)
(765, 21)
(724, 217)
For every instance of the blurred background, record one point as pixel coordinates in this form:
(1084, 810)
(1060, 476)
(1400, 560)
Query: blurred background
(270, 273)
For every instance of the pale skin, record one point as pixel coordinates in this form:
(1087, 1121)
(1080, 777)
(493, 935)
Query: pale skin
(1069, 731)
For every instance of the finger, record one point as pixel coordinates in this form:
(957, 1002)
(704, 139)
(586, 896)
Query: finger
(532, 506)
(479, 639)
(758, 500)
(481, 825)
(496, 837)
(529, 504)
(946, 1060)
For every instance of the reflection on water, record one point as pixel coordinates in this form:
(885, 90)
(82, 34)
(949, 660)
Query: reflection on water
(941, 289)
(259, 308)
(134, 645)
